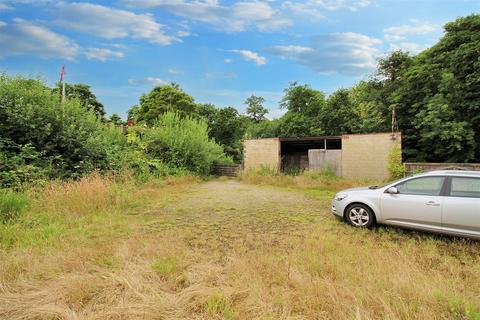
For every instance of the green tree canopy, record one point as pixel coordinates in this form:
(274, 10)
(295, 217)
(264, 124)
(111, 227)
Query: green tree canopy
(83, 93)
(116, 120)
(443, 83)
(162, 99)
(255, 108)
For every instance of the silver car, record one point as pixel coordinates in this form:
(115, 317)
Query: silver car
(439, 201)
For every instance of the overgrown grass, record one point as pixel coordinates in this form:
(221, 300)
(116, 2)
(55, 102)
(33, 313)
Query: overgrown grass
(12, 204)
(308, 180)
(94, 206)
(109, 248)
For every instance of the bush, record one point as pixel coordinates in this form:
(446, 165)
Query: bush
(42, 138)
(181, 142)
(12, 205)
(395, 167)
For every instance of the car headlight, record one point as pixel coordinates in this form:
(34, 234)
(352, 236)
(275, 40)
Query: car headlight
(341, 196)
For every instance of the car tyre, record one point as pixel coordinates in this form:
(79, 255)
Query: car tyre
(360, 216)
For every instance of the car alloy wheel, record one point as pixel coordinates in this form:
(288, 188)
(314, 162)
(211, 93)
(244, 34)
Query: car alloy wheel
(360, 216)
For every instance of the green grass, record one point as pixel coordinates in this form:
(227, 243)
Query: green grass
(12, 205)
(219, 305)
(166, 267)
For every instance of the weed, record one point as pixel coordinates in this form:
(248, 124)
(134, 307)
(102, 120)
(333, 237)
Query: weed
(218, 304)
(165, 267)
(12, 204)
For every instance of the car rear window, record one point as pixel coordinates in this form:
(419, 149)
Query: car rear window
(465, 187)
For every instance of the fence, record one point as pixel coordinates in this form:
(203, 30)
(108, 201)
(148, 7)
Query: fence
(227, 170)
(412, 167)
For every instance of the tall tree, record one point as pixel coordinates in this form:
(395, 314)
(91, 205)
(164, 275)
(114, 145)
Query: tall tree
(162, 99)
(83, 93)
(371, 112)
(303, 105)
(228, 127)
(443, 83)
(116, 120)
(255, 108)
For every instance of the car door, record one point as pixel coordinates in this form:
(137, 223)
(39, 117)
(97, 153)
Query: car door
(418, 203)
(461, 207)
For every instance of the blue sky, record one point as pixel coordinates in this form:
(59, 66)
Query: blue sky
(218, 51)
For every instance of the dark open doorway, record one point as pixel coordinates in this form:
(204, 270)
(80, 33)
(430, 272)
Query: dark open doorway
(295, 151)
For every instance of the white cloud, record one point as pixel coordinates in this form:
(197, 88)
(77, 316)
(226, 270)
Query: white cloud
(250, 56)
(111, 23)
(102, 54)
(407, 46)
(344, 53)
(183, 33)
(175, 71)
(4, 6)
(274, 24)
(304, 9)
(227, 60)
(236, 17)
(398, 33)
(351, 5)
(316, 8)
(221, 75)
(23, 37)
(253, 10)
(150, 81)
(289, 51)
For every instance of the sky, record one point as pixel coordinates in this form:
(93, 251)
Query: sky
(219, 52)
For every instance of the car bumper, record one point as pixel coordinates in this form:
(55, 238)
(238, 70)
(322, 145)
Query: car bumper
(337, 208)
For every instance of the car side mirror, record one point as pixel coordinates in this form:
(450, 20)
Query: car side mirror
(392, 190)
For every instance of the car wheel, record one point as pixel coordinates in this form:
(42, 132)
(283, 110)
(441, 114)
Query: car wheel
(360, 216)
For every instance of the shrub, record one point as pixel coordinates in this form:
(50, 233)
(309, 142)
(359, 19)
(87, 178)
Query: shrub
(12, 205)
(181, 142)
(395, 167)
(40, 136)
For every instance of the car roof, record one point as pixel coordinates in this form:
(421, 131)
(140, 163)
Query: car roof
(466, 173)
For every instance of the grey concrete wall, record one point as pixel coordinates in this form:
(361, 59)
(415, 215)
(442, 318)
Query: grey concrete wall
(261, 152)
(415, 167)
(366, 155)
(321, 159)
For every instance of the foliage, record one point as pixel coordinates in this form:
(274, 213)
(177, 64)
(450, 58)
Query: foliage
(264, 129)
(182, 142)
(441, 87)
(116, 120)
(82, 93)
(370, 112)
(227, 127)
(303, 105)
(395, 167)
(43, 136)
(255, 109)
(338, 115)
(20, 164)
(163, 99)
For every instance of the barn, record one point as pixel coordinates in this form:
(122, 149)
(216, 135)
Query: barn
(350, 156)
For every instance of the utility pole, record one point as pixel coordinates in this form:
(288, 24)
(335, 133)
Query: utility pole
(62, 82)
(394, 123)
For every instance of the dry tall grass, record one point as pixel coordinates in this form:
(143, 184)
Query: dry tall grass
(227, 250)
(307, 180)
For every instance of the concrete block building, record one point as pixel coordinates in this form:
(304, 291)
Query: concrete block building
(350, 156)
